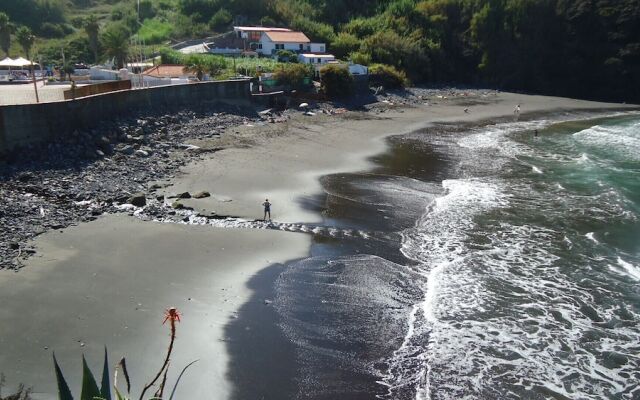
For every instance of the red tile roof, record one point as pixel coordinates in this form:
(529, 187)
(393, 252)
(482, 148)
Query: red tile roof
(168, 71)
(288, 37)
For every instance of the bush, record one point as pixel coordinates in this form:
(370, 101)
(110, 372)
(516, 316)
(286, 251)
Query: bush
(170, 56)
(287, 56)
(387, 76)
(147, 9)
(316, 31)
(220, 20)
(50, 30)
(292, 75)
(344, 44)
(336, 81)
(358, 57)
(153, 31)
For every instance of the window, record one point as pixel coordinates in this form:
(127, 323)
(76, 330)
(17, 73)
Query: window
(279, 46)
(259, 45)
(301, 47)
(319, 60)
(321, 49)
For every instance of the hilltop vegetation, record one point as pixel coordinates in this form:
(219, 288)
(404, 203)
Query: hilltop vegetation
(581, 48)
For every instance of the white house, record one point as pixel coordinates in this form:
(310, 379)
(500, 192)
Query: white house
(250, 35)
(271, 42)
(315, 58)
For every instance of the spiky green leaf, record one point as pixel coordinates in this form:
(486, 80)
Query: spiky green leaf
(63, 389)
(105, 389)
(119, 396)
(89, 385)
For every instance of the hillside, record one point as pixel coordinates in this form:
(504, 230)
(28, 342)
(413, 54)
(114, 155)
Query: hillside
(579, 48)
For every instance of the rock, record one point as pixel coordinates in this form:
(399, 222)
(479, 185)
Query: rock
(126, 150)
(142, 153)
(177, 205)
(183, 195)
(201, 195)
(99, 153)
(138, 199)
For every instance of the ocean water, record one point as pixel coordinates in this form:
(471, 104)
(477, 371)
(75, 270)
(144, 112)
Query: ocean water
(503, 265)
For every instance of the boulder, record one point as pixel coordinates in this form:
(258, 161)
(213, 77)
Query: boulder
(201, 195)
(137, 199)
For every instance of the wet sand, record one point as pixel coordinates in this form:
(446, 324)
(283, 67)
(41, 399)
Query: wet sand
(108, 282)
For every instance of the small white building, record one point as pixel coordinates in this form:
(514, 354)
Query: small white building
(315, 58)
(271, 42)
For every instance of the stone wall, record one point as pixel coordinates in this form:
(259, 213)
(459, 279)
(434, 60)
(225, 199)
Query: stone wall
(25, 124)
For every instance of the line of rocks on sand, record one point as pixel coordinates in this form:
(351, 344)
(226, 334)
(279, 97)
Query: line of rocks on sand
(93, 172)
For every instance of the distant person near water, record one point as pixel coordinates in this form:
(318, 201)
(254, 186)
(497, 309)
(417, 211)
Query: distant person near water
(535, 133)
(517, 110)
(267, 209)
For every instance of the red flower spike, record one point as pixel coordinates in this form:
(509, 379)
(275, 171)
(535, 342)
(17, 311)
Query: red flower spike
(171, 314)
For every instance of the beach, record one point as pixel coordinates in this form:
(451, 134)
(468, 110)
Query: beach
(253, 314)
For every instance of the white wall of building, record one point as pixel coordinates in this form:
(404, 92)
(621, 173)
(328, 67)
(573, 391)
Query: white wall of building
(317, 48)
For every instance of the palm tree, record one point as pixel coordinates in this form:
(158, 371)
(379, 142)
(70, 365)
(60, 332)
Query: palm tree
(196, 64)
(5, 33)
(25, 37)
(92, 28)
(115, 42)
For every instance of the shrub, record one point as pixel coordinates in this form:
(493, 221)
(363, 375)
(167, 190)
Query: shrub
(344, 43)
(287, 56)
(292, 75)
(170, 56)
(359, 57)
(220, 20)
(316, 31)
(50, 30)
(153, 31)
(387, 76)
(336, 81)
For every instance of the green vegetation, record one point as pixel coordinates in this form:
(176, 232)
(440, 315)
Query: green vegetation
(387, 76)
(90, 389)
(153, 31)
(581, 48)
(336, 81)
(292, 75)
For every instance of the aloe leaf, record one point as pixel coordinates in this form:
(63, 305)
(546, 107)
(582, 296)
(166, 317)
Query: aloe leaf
(63, 389)
(105, 389)
(118, 395)
(123, 364)
(180, 377)
(89, 385)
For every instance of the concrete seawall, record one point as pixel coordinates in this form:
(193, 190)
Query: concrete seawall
(26, 124)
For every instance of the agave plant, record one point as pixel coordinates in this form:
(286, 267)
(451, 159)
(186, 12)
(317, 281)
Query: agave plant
(90, 389)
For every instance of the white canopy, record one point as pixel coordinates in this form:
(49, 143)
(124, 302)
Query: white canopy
(7, 62)
(18, 62)
(21, 62)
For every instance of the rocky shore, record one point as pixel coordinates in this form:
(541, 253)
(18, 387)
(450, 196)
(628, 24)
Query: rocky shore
(93, 172)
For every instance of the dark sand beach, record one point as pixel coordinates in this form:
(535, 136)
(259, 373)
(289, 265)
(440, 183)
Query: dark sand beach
(328, 302)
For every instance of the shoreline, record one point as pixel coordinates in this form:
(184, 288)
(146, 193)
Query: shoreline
(298, 153)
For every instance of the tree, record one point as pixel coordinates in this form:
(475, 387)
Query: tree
(92, 28)
(115, 42)
(25, 38)
(196, 64)
(336, 81)
(5, 33)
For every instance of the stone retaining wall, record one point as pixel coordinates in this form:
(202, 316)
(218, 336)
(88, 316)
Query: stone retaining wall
(25, 124)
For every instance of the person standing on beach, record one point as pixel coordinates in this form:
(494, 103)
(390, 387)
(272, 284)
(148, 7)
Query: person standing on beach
(267, 209)
(517, 110)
